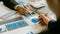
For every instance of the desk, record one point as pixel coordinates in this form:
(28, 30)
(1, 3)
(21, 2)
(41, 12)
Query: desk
(32, 28)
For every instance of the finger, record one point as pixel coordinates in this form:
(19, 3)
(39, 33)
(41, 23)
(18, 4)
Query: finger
(27, 11)
(40, 22)
(46, 14)
(39, 18)
(43, 16)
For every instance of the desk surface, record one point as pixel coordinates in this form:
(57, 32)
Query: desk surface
(32, 28)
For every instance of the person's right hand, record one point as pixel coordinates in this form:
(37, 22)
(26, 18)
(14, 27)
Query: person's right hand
(44, 18)
(21, 10)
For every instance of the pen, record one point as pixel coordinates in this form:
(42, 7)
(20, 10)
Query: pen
(27, 8)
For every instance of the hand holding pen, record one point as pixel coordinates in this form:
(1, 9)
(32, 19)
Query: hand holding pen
(22, 10)
(44, 19)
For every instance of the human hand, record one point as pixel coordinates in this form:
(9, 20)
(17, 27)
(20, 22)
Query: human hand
(21, 10)
(44, 19)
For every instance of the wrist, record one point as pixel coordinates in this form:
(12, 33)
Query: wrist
(17, 7)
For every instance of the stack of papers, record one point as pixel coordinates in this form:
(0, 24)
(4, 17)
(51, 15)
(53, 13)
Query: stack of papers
(5, 12)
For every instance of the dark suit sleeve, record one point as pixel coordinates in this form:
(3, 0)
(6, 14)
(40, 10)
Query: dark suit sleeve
(10, 4)
(51, 27)
(51, 24)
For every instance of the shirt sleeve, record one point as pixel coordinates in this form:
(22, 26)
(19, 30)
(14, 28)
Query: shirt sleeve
(51, 24)
(10, 4)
